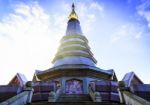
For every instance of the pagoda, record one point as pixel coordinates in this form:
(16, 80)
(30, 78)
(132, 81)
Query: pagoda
(74, 66)
(74, 78)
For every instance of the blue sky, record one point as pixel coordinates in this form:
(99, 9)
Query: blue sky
(118, 32)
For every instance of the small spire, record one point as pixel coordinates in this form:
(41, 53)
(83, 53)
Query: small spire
(73, 14)
(73, 7)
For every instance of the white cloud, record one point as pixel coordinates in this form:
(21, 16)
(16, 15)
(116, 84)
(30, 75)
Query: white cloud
(27, 41)
(144, 11)
(146, 15)
(89, 14)
(97, 6)
(128, 30)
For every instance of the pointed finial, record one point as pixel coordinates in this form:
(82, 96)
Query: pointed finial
(73, 14)
(73, 7)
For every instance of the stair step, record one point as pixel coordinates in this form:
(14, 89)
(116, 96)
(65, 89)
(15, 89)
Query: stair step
(74, 98)
(74, 103)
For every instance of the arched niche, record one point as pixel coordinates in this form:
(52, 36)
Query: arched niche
(74, 86)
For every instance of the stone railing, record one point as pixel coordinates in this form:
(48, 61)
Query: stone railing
(94, 95)
(53, 96)
(21, 98)
(129, 98)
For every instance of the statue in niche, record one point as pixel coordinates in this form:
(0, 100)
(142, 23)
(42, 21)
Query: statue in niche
(74, 86)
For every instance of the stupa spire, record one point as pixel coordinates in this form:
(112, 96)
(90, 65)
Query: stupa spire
(73, 7)
(74, 48)
(73, 14)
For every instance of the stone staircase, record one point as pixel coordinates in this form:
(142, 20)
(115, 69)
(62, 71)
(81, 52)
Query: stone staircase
(74, 103)
(74, 98)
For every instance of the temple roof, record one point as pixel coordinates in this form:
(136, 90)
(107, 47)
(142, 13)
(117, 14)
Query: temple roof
(18, 79)
(131, 78)
(75, 70)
